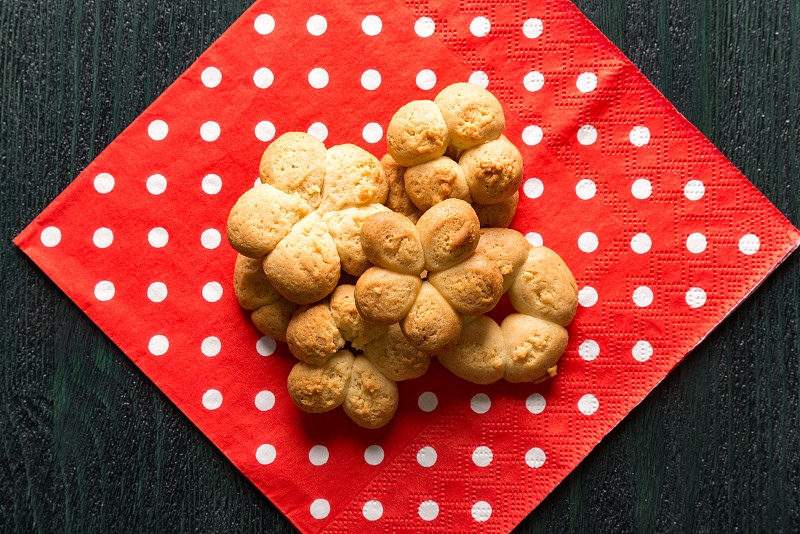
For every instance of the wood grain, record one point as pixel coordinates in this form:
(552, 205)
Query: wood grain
(89, 445)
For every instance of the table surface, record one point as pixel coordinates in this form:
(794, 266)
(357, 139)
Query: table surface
(88, 444)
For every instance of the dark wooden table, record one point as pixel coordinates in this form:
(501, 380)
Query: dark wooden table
(88, 444)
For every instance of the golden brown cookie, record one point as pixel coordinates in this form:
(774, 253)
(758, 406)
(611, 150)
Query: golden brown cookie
(449, 232)
(395, 357)
(353, 177)
(391, 241)
(262, 217)
(305, 265)
(250, 284)
(498, 215)
(533, 347)
(480, 354)
(352, 325)
(384, 296)
(345, 228)
(417, 133)
(397, 199)
(493, 171)
(295, 163)
(317, 389)
(312, 335)
(473, 114)
(508, 249)
(472, 287)
(429, 183)
(273, 319)
(371, 399)
(432, 325)
(545, 287)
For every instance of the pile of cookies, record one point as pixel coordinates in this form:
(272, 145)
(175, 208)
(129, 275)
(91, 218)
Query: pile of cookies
(369, 268)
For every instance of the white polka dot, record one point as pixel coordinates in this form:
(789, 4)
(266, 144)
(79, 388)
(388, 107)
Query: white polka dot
(481, 511)
(104, 183)
(158, 237)
(374, 455)
(317, 25)
(424, 27)
(533, 81)
(156, 184)
(158, 345)
(643, 296)
(639, 136)
(211, 238)
(264, 24)
(587, 135)
(534, 239)
(318, 130)
(211, 346)
(479, 78)
(158, 130)
(104, 291)
(211, 77)
(480, 403)
(320, 509)
(588, 404)
(372, 510)
(428, 401)
(641, 189)
(695, 297)
(263, 78)
(428, 510)
(157, 292)
(535, 403)
(587, 82)
(212, 291)
(426, 79)
(318, 455)
(749, 244)
(318, 78)
(587, 297)
(371, 25)
(265, 454)
(532, 28)
(265, 131)
(589, 350)
(265, 400)
(588, 242)
(370, 79)
(426, 456)
(212, 399)
(696, 243)
(212, 184)
(50, 236)
(372, 132)
(257, 181)
(210, 131)
(533, 188)
(103, 237)
(265, 346)
(642, 351)
(480, 26)
(585, 189)
(641, 243)
(535, 458)
(694, 190)
(532, 135)
(482, 456)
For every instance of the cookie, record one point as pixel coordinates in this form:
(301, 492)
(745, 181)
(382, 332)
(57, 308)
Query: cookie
(473, 114)
(429, 183)
(507, 249)
(397, 199)
(371, 399)
(417, 133)
(345, 228)
(472, 287)
(545, 287)
(250, 284)
(479, 357)
(492, 170)
(312, 334)
(317, 389)
(533, 346)
(261, 218)
(395, 357)
(431, 325)
(497, 215)
(353, 177)
(352, 325)
(384, 297)
(295, 163)
(391, 241)
(449, 233)
(273, 319)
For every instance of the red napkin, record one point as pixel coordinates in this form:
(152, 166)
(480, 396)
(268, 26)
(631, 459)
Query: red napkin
(664, 235)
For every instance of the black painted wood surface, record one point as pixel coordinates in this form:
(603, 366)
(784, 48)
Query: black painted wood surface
(88, 444)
